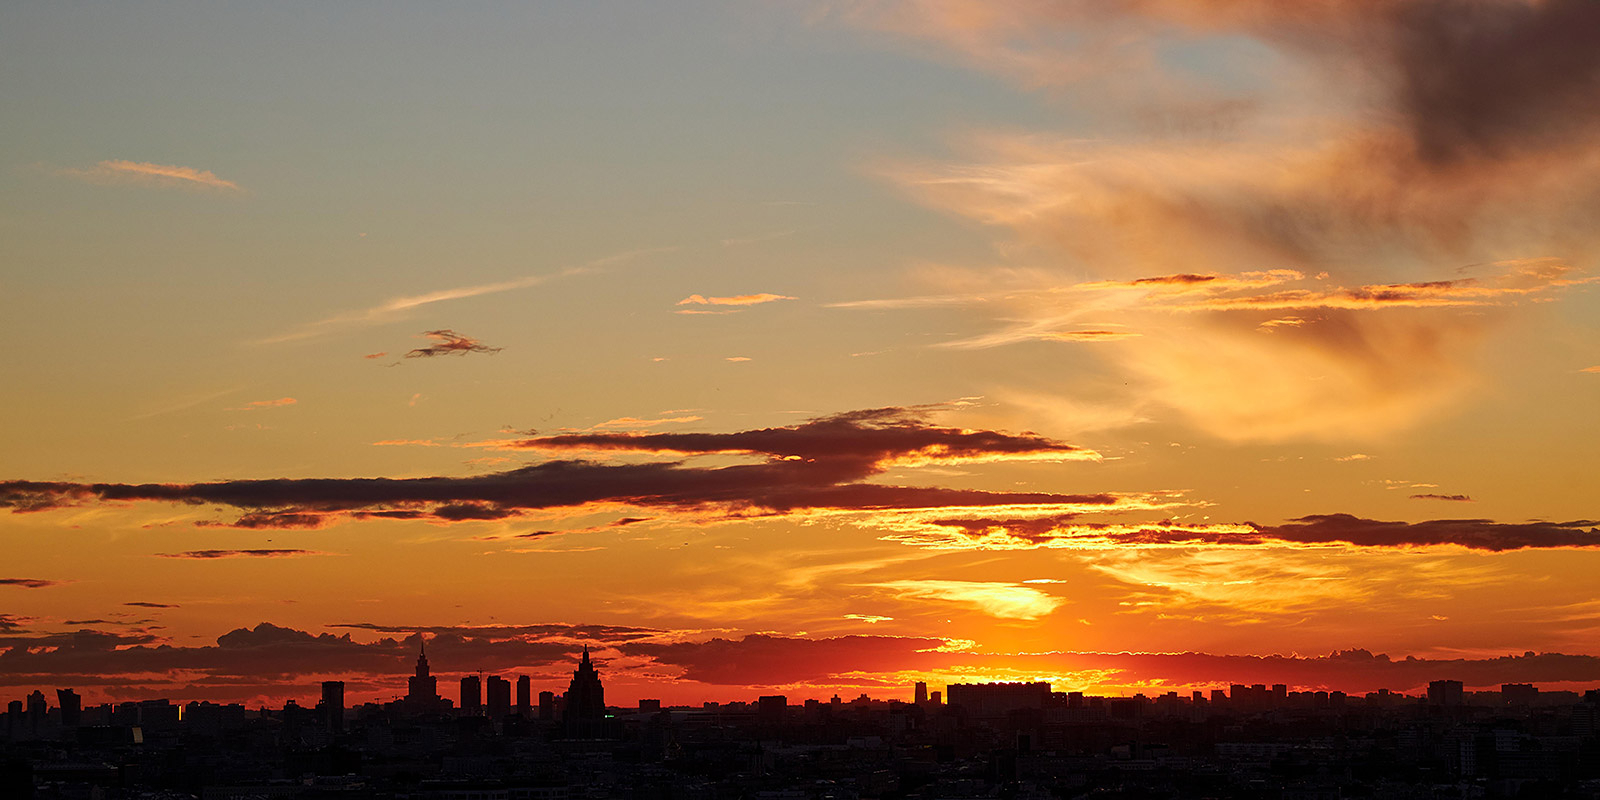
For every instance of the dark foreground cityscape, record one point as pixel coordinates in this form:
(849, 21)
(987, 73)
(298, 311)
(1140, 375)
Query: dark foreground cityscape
(990, 740)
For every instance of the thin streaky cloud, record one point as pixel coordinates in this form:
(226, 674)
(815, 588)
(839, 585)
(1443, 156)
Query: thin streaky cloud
(28, 583)
(735, 300)
(120, 171)
(398, 306)
(256, 405)
(260, 553)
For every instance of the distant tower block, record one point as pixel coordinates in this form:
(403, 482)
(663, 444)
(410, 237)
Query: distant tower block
(333, 705)
(498, 697)
(471, 696)
(920, 697)
(524, 696)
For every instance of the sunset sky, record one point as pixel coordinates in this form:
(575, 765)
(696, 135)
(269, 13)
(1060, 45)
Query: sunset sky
(802, 348)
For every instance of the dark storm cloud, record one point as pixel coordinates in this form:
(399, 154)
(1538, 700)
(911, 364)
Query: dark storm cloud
(818, 464)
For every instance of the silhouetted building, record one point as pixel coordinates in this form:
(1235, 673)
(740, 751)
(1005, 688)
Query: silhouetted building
(497, 697)
(1445, 693)
(422, 689)
(524, 696)
(771, 708)
(333, 705)
(71, 708)
(586, 705)
(920, 694)
(649, 706)
(471, 696)
(996, 700)
(1519, 694)
(547, 705)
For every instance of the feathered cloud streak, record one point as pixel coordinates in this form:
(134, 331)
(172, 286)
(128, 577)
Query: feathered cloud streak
(120, 171)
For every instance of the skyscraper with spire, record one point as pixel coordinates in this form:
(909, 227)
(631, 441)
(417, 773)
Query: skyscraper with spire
(422, 692)
(585, 702)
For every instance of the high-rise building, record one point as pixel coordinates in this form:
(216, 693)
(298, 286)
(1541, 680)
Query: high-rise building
(333, 705)
(422, 693)
(920, 694)
(471, 696)
(524, 696)
(770, 709)
(71, 707)
(497, 700)
(586, 705)
(547, 705)
(1445, 693)
(996, 700)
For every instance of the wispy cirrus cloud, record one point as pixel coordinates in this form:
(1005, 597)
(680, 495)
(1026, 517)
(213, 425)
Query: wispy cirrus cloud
(139, 172)
(256, 405)
(399, 307)
(735, 300)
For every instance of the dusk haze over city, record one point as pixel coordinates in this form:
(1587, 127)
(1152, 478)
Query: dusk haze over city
(719, 351)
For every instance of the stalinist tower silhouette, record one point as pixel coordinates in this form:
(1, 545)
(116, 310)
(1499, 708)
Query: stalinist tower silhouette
(585, 702)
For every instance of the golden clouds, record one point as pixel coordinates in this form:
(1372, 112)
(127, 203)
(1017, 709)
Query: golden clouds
(1003, 600)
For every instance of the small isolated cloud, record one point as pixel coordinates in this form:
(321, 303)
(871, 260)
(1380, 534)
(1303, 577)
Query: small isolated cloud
(1089, 336)
(142, 604)
(449, 343)
(379, 354)
(1458, 498)
(266, 553)
(870, 619)
(1281, 322)
(736, 300)
(118, 171)
(635, 423)
(736, 359)
(255, 405)
(1353, 457)
(407, 443)
(28, 583)
(1593, 369)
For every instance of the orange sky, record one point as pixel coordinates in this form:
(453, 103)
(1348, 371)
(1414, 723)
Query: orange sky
(1133, 346)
